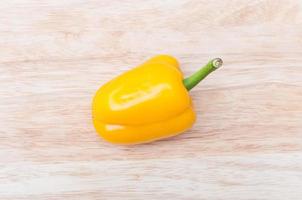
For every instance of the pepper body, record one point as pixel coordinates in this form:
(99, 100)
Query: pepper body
(147, 103)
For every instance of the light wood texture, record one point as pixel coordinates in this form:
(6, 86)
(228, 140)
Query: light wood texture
(246, 144)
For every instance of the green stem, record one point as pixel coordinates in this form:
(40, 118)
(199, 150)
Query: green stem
(198, 76)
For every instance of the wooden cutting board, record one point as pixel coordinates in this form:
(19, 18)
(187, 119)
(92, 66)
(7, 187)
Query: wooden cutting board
(246, 143)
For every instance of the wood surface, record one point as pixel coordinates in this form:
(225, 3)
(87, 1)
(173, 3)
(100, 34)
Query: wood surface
(246, 143)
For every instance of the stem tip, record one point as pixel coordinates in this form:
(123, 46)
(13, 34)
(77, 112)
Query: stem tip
(217, 62)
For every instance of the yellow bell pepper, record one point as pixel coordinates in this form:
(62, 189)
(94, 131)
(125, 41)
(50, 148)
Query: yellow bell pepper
(147, 103)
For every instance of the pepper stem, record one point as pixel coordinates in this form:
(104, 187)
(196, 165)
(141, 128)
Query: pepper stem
(198, 76)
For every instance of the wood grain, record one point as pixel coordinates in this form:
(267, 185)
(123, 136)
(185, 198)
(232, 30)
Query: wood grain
(246, 144)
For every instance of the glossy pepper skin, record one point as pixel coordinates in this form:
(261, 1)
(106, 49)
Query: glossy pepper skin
(147, 103)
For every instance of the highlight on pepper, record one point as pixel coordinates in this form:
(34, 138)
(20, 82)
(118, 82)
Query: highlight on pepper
(147, 103)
